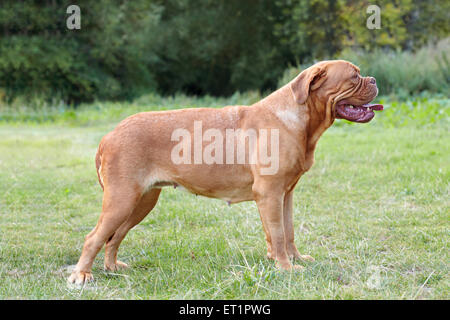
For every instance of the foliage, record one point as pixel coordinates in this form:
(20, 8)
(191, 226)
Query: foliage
(128, 48)
(40, 57)
(398, 72)
(404, 72)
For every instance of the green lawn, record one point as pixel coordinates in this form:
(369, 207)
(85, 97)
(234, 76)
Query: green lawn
(373, 211)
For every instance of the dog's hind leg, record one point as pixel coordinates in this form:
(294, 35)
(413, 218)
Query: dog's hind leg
(145, 205)
(118, 204)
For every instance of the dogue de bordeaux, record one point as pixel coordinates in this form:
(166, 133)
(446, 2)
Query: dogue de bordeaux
(143, 154)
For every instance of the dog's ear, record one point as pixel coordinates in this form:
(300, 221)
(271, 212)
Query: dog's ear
(308, 80)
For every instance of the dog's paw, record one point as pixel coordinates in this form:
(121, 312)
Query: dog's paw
(306, 258)
(292, 251)
(294, 254)
(80, 277)
(290, 267)
(297, 267)
(116, 266)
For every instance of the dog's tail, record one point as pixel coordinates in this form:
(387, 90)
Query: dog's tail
(98, 163)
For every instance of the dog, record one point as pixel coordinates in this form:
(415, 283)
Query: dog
(152, 150)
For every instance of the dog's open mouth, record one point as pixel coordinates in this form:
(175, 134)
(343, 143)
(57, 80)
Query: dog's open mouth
(357, 113)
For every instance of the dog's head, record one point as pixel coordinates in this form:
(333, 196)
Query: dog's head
(338, 85)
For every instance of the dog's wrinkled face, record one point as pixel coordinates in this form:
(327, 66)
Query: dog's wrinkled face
(339, 85)
(353, 103)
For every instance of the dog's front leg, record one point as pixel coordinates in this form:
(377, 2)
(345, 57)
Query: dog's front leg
(288, 219)
(270, 206)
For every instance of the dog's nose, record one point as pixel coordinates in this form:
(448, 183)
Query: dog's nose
(372, 80)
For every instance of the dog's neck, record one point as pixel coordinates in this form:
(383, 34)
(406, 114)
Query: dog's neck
(312, 117)
(321, 117)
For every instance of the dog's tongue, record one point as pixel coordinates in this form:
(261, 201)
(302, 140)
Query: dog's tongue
(357, 113)
(373, 106)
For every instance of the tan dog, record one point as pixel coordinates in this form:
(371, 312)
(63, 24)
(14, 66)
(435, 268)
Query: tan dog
(144, 153)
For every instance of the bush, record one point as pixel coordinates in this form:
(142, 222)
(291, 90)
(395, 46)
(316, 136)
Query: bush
(405, 72)
(206, 47)
(41, 58)
(401, 73)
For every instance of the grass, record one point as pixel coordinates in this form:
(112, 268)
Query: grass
(373, 211)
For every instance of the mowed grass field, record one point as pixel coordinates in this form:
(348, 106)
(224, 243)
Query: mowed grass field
(373, 211)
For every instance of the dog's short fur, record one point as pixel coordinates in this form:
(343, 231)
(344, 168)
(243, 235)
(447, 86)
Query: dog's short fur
(134, 160)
